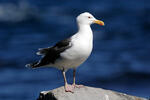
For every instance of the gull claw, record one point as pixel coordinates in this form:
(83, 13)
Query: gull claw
(69, 88)
(77, 86)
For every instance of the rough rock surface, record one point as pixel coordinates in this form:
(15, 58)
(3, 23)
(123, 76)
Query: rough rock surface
(85, 93)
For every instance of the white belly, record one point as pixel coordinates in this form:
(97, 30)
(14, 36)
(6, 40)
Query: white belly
(75, 55)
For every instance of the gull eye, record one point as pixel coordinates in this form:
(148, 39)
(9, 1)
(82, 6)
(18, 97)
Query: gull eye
(89, 17)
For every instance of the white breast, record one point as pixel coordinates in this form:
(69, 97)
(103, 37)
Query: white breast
(81, 49)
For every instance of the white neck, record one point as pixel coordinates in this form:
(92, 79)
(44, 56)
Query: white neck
(85, 32)
(83, 28)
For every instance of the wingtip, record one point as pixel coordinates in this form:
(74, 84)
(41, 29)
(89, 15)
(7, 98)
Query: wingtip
(28, 66)
(32, 65)
(38, 53)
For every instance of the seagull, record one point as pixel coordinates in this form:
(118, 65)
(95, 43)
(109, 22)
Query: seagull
(71, 52)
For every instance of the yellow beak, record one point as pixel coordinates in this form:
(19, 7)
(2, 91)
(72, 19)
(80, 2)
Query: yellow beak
(99, 22)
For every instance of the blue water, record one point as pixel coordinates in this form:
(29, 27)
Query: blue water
(120, 60)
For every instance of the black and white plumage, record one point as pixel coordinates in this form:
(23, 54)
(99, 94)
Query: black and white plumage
(51, 54)
(70, 52)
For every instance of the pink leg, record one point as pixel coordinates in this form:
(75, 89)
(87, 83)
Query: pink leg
(68, 88)
(74, 79)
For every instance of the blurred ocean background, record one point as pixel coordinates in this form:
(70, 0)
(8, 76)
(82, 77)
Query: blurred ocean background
(120, 59)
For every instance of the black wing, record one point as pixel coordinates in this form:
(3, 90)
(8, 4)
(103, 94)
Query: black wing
(52, 53)
(58, 47)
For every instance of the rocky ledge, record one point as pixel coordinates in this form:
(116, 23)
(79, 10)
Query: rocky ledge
(85, 93)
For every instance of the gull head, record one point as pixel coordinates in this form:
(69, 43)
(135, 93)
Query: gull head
(88, 19)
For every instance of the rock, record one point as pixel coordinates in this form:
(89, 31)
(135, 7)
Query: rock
(85, 93)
